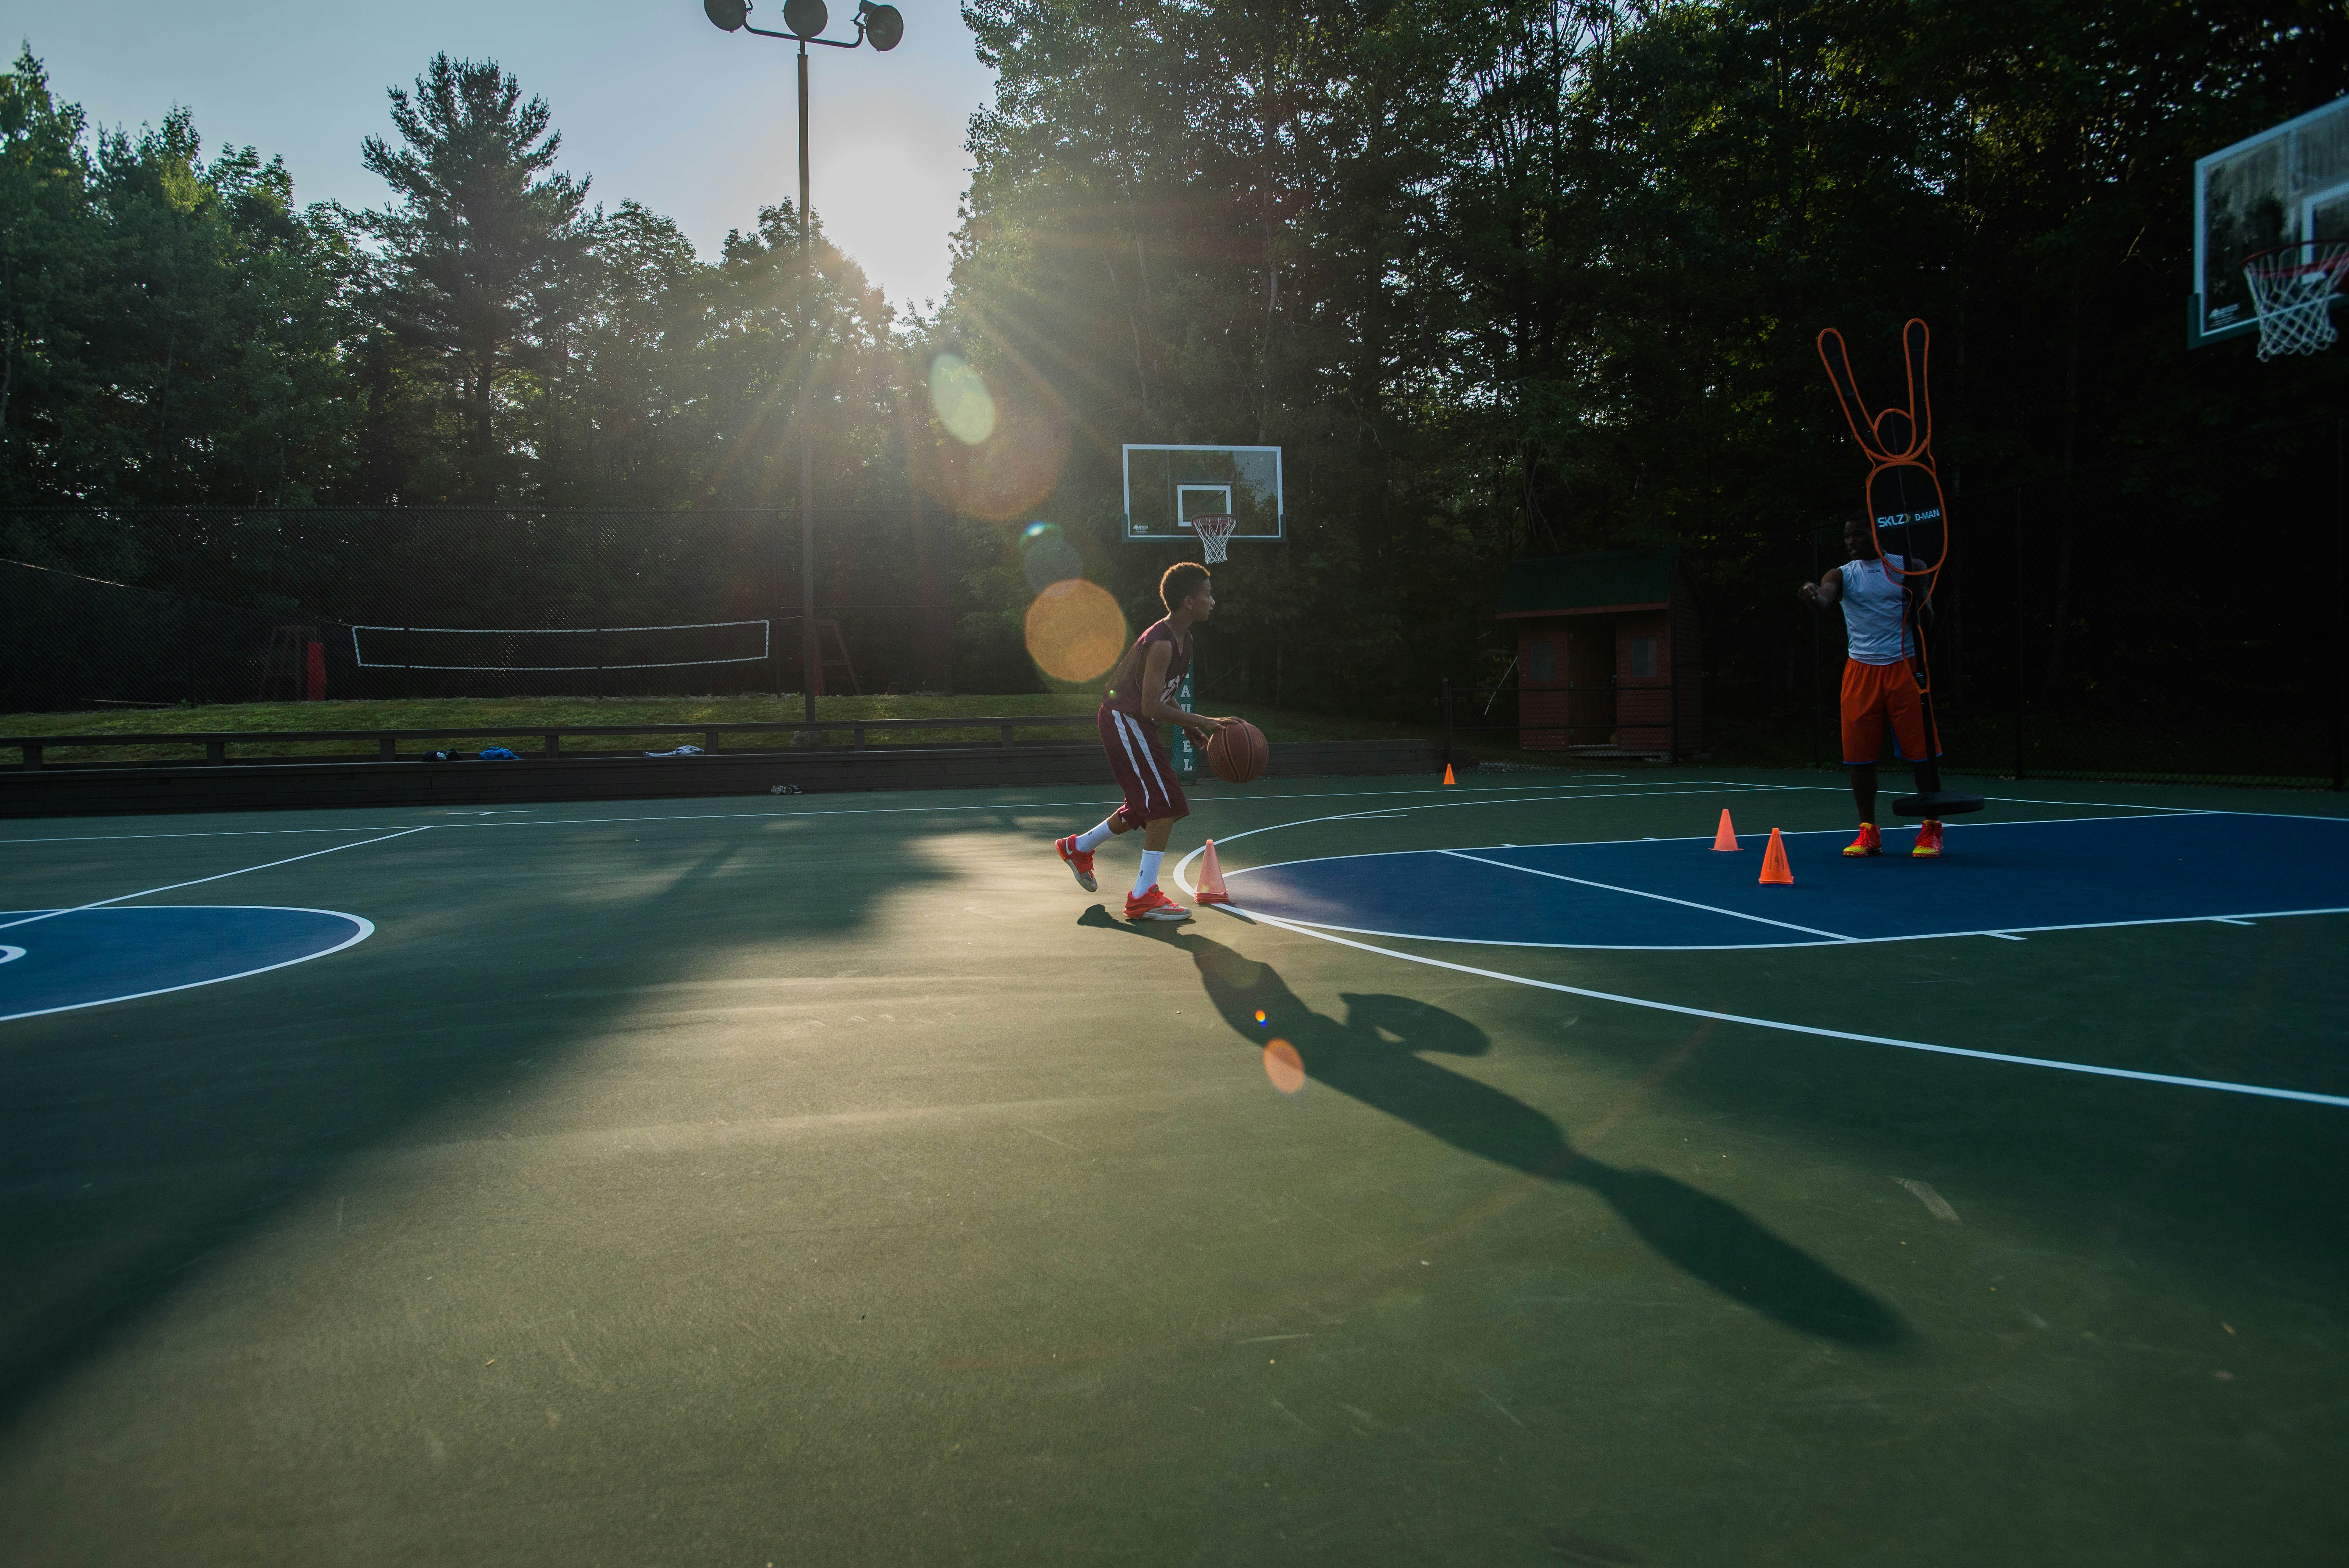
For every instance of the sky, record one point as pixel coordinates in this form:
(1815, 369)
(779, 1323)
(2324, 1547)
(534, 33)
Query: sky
(652, 101)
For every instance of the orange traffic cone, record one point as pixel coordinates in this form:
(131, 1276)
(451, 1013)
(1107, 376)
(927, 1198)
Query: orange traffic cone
(1447, 774)
(1775, 869)
(1727, 838)
(1211, 880)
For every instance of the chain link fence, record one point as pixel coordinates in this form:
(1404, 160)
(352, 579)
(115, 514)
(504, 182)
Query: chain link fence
(151, 606)
(2178, 616)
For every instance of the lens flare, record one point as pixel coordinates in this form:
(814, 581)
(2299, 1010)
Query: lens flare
(989, 446)
(1047, 557)
(1075, 631)
(959, 392)
(1284, 1067)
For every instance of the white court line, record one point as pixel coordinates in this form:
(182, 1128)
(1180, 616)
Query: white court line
(1447, 805)
(2262, 1091)
(9, 954)
(2003, 933)
(1182, 878)
(1610, 843)
(2032, 801)
(198, 881)
(1713, 786)
(365, 929)
(1514, 792)
(1659, 898)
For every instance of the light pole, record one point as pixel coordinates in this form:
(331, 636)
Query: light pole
(883, 28)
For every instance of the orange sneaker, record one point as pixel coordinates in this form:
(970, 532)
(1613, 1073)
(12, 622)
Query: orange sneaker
(1079, 862)
(1870, 842)
(1928, 840)
(1155, 905)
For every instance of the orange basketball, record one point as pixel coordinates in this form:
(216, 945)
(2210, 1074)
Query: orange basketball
(1237, 752)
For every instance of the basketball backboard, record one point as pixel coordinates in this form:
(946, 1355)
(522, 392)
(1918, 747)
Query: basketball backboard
(1165, 487)
(2287, 183)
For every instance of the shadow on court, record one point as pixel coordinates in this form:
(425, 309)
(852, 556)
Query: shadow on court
(141, 1140)
(1376, 1054)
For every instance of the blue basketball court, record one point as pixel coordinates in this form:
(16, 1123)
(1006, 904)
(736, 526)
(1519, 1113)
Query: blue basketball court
(1996, 878)
(52, 961)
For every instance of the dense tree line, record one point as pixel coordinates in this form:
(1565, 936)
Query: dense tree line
(1499, 279)
(177, 331)
(1545, 277)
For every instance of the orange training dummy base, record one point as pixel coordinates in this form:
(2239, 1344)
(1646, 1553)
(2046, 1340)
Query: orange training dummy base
(1727, 838)
(1775, 869)
(1211, 880)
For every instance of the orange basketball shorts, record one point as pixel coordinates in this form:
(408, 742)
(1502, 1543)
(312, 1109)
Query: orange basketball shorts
(1873, 694)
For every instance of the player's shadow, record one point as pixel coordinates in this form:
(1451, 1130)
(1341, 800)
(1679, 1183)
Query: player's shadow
(1376, 1054)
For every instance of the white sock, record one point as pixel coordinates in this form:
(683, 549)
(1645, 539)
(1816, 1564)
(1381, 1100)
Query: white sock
(1149, 877)
(1092, 839)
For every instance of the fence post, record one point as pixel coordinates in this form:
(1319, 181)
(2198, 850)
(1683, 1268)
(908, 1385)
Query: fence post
(1448, 721)
(187, 599)
(1818, 673)
(2021, 631)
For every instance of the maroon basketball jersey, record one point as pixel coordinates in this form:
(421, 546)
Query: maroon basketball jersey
(1125, 692)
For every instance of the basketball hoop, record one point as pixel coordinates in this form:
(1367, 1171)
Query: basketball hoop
(2291, 295)
(1214, 535)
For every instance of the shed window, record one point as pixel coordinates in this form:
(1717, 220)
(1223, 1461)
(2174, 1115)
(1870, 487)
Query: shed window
(1643, 655)
(1541, 662)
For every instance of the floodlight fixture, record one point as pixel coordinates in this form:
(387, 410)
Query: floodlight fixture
(805, 19)
(728, 15)
(883, 25)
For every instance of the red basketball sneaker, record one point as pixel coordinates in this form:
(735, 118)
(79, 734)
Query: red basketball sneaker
(1079, 861)
(1928, 840)
(1155, 905)
(1870, 842)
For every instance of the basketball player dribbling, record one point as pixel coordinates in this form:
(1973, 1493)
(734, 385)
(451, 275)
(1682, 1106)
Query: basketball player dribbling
(1139, 698)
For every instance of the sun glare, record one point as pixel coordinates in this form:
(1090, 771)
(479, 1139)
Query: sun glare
(960, 394)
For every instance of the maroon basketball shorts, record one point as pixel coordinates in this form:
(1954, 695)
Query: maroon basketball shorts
(1141, 768)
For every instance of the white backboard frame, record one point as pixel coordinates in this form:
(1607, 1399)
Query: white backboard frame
(1249, 486)
(1184, 511)
(2285, 184)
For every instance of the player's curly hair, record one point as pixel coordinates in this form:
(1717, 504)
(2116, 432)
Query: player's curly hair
(1181, 581)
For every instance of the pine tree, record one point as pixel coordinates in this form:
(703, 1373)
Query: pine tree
(483, 250)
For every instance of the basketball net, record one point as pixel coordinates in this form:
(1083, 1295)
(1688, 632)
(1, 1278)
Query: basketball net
(2292, 293)
(1214, 535)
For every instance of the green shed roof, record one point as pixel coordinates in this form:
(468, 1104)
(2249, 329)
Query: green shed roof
(1561, 582)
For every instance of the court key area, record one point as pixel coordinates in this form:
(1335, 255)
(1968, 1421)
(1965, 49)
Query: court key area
(1505, 1176)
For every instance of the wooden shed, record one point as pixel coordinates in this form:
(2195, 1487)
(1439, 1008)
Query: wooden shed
(1607, 654)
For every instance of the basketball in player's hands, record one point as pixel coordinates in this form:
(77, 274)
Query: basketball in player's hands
(1236, 751)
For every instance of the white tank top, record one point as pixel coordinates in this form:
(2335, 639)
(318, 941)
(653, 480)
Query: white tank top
(1876, 632)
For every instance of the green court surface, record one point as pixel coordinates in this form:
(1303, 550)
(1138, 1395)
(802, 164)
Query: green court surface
(830, 1180)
